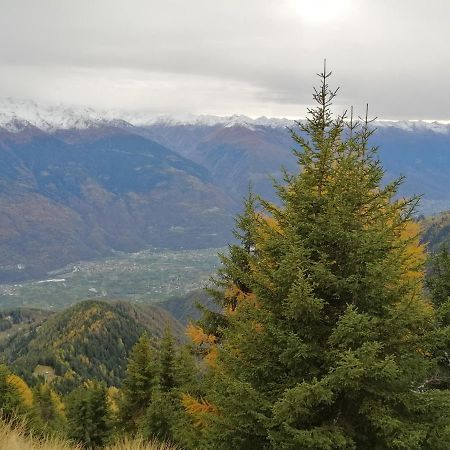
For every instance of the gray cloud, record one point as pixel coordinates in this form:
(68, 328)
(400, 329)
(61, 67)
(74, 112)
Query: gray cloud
(252, 57)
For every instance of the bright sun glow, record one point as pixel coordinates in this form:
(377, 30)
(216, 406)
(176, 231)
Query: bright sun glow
(319, 11)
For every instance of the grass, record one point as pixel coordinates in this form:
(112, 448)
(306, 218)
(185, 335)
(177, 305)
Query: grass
(138, 444)
(15, 438)
(45, 371)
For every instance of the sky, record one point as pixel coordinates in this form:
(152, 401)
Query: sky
(252, 57)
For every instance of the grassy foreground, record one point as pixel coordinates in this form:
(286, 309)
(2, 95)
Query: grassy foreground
(16, 439)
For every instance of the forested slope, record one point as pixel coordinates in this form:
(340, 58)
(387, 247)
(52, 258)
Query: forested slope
(90, 340)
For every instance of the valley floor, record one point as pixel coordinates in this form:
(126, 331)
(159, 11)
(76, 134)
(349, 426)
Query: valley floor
(146, 276)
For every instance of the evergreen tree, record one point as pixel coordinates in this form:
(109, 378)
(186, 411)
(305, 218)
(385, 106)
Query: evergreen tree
(167, 361)
(186, 374)
(161, 406)
(142, 376)
(16, 398)
(48, 410)
(323, 342)
(165, 417)
(161, 416)
(438, 284)
(438, 279)
(88, 415)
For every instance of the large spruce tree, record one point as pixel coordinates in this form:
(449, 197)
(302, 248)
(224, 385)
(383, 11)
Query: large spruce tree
(323, 340)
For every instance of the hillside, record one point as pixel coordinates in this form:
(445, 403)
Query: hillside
(436, 230)
(238, 150)
(234, 154)
(18, 320)
(89, 340)
(187, 308)
(103, 190)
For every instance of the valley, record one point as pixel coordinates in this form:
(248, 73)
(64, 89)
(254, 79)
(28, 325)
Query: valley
(147, 276)
(84, 186)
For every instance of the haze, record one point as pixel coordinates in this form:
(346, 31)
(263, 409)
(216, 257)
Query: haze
(253, 57)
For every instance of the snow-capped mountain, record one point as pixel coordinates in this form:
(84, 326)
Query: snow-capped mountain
(17, 114)
(415, 125)
(147, 119)
(144, 119)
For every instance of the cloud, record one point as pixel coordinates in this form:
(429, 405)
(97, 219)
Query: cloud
(253, 57)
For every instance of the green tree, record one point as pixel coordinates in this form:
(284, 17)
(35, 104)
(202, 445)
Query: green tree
(48, 410)
(88, 415)
(165, 417)
(161, 415)
(438, 279)
(438, 284)
(161, 405)
(166, 358)
(15, 395)
(323, 342)
(142, 375)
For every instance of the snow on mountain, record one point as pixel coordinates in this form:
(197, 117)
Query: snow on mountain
(146, 119)
(415, 125)
(13, 124)
(51, 118)
(15, 115)
(46, 117)
(207, 120)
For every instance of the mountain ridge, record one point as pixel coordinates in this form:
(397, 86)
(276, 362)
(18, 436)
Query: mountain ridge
(52, 118)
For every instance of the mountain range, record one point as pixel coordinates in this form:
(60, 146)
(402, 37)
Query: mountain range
(78, 184)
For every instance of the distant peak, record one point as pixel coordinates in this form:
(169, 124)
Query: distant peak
(50, 118)
(142, 119)
(15, 114)
(14, 124)
(415, 125)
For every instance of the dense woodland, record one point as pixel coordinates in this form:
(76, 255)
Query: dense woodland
(331, 330)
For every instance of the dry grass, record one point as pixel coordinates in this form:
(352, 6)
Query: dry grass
(14, 438)
(138, 444)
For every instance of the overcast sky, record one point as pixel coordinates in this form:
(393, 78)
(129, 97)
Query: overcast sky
(254, 57)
